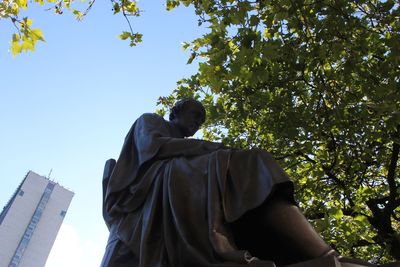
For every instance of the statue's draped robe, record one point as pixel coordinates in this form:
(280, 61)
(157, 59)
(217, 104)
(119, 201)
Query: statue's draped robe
(169, 200)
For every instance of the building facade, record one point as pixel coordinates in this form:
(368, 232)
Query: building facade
(30, 221)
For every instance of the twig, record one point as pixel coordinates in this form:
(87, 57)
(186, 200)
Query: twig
(88, 8)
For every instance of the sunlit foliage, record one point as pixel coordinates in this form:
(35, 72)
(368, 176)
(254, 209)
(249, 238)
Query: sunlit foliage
(25, 37)
(317, 84)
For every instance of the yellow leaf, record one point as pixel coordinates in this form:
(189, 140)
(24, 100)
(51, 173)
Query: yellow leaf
(67, 3)
(28, 22)
(38, 34)
(23, 4)
(16, 48)
(28, 45)
(15, 9)
(15, 37)
(267, 34)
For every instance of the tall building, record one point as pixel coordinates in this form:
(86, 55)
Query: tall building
(30, 221)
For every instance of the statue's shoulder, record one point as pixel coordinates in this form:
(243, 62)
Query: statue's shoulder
(150, 118)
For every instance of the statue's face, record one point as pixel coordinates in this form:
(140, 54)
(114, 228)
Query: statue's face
(190, 119)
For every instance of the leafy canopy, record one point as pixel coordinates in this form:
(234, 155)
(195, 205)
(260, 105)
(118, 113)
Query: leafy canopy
(25, 38)
(317, 83)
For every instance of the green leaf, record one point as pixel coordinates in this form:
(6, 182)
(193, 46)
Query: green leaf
(15, 37)
(134, 38)
(171, 4)
(78, 14)
(116, 8)
(186, 3)
(254, 20)
(185, 46)
(191, 58)
(125, 35)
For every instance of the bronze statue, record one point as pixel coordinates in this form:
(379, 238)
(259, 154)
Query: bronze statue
(172, 201)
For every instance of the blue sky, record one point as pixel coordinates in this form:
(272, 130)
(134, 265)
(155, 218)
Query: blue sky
(67, 106)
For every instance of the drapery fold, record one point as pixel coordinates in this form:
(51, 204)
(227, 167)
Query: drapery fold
(172, 199)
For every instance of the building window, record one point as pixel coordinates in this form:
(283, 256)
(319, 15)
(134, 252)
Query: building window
(21, 192)
(32, 225)
(62, 213)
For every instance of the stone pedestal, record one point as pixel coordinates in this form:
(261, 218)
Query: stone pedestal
(329, 261)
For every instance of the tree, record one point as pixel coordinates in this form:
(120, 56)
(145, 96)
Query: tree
(26, 37)
(317, 83)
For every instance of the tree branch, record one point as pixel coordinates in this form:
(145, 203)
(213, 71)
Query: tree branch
(392, 174)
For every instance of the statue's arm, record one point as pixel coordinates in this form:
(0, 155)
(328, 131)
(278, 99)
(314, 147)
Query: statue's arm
(152, 139)
(175, 147)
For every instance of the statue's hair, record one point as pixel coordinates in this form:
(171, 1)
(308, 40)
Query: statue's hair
(181, 104)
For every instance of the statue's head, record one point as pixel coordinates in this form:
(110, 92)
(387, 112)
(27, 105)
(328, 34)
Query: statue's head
(188, 114)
